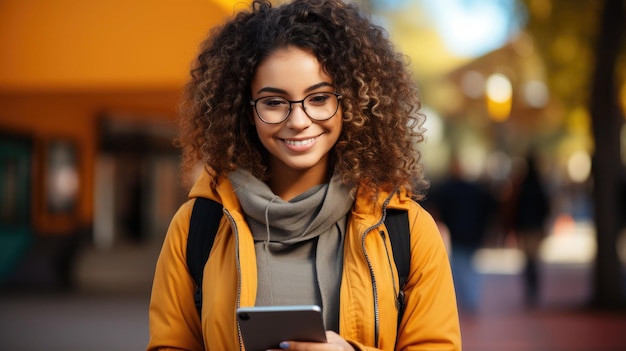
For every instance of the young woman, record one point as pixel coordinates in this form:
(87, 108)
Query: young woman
(304, 120)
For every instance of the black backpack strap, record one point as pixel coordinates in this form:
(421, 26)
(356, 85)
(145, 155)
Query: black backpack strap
(397, 223)
(205, 220)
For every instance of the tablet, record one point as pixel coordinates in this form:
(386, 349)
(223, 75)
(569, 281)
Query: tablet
(264, 327)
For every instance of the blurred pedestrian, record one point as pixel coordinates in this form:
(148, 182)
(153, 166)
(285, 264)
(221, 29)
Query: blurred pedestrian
(465, 207)
(530, 212)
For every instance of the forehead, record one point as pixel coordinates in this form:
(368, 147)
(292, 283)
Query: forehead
(290, 69)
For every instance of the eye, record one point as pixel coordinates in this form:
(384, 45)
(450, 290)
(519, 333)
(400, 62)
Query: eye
(318, 99)
(274, 102)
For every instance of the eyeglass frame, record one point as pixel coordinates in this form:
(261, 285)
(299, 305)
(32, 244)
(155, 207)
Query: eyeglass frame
(301, 102)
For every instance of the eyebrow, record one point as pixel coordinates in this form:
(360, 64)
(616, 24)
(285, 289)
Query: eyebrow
(282, 91)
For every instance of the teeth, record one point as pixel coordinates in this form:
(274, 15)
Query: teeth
(299, 142)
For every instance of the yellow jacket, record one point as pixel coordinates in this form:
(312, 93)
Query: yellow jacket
(368, 314)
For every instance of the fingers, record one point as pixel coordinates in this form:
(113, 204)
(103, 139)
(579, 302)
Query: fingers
(336, 339)
(334, 343)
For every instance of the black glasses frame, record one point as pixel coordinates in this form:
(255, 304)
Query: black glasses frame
(291, 102)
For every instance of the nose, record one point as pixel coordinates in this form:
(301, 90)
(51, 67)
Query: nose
(298, 119)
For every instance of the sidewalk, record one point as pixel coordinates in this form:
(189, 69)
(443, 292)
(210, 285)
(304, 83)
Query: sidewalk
(73, 322)
(559, 323)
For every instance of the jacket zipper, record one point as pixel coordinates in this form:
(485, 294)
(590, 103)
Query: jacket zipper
(238, 264)
(369, 265)
(374, 288)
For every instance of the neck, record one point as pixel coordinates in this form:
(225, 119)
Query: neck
(289, 183)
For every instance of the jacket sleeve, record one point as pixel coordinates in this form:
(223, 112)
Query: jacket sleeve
(174, 321)
(430, 320)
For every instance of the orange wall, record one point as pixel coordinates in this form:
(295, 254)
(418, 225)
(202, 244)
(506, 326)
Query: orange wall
(54, 44)
(63, 62)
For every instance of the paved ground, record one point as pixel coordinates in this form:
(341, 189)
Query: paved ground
(560, 322)
(69, 322)
(88, 321)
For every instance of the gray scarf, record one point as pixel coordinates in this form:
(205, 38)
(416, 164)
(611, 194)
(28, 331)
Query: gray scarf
(299, 243)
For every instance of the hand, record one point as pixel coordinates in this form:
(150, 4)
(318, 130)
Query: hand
(334, 342)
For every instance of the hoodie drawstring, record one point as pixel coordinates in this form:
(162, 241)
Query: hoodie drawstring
(266, 247)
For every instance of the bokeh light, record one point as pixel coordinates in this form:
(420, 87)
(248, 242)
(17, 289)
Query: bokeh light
(579, 166)
(499, 96)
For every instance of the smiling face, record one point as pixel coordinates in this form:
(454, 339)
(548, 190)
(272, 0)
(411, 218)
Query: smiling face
(298, 145)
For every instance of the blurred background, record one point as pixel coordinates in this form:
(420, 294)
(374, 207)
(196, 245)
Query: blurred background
(525, 104)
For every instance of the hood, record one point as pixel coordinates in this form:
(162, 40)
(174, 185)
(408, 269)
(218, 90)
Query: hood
(217, 189)
(368, 208)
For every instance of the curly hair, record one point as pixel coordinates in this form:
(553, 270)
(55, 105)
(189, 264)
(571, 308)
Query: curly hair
(377, 149)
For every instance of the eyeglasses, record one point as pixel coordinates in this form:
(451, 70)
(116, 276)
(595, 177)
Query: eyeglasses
(317, 106)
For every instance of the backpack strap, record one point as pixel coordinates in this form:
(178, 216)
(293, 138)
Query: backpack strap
(397, 223)
(205, 220)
